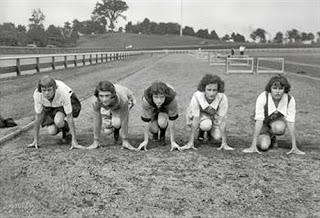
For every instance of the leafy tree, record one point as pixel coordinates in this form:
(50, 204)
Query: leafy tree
(293, 35)
(153, 27)
(238, 38)
(36, 19)
(278, 38)
(128, 28)
(188, 31)
(99, 23)
(22, 35)
(310, 36)
(110, 10)
(8, 34)
(54, 35)
(259, 34)
(162, 29)
(214, 35)
(306, 36)
(76, 25)
(37, 36)
(203, 33)
(172, 28)
(145, 26)
(225, 38)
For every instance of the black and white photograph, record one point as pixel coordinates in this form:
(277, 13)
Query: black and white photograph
(160, 108)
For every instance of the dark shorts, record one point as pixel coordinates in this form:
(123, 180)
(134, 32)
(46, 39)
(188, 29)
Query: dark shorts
(50, 112)
(266, 128)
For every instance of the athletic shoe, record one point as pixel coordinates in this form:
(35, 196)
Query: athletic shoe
(116, 136)
(274, 143)
(155, 136)
(201, 135)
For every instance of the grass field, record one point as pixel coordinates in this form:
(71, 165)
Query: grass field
(109, 182)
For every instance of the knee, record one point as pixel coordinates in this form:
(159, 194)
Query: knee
(108, 131)
(52, 130)
(116, 122)
(265, 142)
(216, 134)
(278, 127)
(205, 125)
(59, 120)
(162, 120)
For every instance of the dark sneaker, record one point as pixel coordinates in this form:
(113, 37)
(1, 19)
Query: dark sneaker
(201, 135)
(67, 138)
(66, 135)
(209, 136)
(162, 136)
(155, 136)
(162, 140)
(274, 143)
(116, 136)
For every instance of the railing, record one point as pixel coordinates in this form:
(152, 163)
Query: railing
(36, 63)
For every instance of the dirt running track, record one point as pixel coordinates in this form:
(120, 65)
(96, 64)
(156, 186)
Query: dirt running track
(110, 182)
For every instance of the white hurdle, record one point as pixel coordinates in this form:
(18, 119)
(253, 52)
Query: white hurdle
(240, 65)
(270, 65)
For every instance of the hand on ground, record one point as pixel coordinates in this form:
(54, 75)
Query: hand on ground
(126, 144)
(251, 150)
(187, 146)
(143, 145)
(174, 145)
(74, 144)
(296, 151)
(225, 146)
(94, 145)
(33, 144)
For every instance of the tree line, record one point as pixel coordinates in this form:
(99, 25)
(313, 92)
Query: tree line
(104, 18)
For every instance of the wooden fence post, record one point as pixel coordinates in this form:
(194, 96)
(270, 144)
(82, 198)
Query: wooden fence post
(65, 61)
(18, 67)
(37, 65)
(53, 64)
(75, 60)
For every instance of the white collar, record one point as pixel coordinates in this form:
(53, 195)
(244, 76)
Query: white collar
(204, 103)
(282, 106)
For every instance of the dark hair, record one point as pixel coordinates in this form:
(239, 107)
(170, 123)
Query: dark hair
(281, 80)
(46, 81)
(159, 88)
(105, 86)
(211, 79)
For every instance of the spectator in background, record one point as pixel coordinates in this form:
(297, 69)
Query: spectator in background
(241, 49)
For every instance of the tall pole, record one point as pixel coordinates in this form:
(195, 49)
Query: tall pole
(181, 18)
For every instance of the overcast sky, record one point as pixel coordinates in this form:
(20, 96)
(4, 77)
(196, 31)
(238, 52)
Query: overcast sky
(223, 16)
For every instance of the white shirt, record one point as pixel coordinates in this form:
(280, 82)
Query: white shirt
(220, 103)
(288, 110)
(61, 98)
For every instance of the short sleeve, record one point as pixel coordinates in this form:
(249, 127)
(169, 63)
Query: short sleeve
(38, 107)
(259, 108)
(95, 104)
(67, 104)
(173, 110)
(223, 106)
(194, 106)
(146, 111)
(291, 112)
